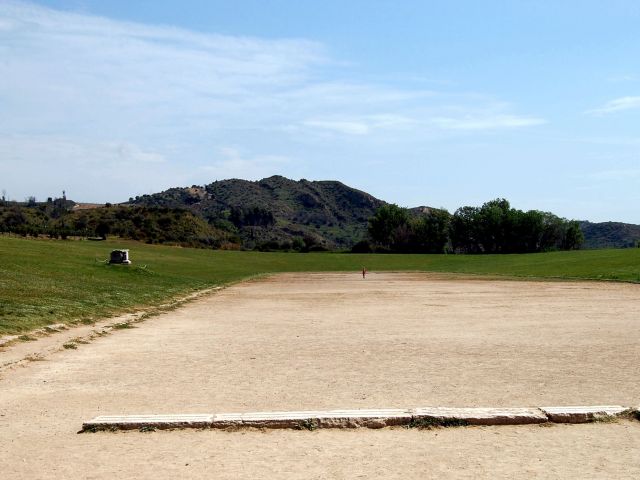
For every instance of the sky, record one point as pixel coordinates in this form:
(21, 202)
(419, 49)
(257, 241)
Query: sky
(438, 103)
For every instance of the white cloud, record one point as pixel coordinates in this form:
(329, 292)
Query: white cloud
(360, 125)
(617, 105)
(616, 175)
(44, 164)
(340, 126)
(69, 63)
(84, 90)
(612, 141)
(485, 122)
(628, 77)
(230, 162)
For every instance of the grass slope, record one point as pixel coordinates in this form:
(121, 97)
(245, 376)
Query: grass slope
(47, 281)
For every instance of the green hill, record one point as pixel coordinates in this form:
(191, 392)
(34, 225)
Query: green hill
(276, 211)
(610, 235)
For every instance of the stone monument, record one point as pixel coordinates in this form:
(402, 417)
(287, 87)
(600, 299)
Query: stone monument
(120, 257)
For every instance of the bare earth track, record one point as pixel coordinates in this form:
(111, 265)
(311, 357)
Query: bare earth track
(330, 341)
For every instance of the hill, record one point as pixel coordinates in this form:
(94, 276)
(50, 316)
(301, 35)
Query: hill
(276, 212)
(279, 213)
(610, 234)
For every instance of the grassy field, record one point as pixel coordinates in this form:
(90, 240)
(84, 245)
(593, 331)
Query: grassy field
(50, 281)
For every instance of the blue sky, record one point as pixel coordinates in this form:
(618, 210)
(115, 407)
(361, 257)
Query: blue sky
(419, 103)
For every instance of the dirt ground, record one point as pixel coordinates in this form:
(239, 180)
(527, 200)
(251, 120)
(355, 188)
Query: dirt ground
(323, 341)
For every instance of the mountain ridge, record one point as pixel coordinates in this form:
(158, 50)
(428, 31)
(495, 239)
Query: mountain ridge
(274, 213)
(610, 234)
(327, 214)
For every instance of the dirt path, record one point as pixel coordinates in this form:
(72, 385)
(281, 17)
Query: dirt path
(325, 341)
(48, 340)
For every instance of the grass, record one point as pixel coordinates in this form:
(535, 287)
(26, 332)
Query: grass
(43, 282)
(427, 423)
(122, 326)
(308, 424)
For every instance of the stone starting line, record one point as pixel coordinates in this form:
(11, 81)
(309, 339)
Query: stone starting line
(379, 418)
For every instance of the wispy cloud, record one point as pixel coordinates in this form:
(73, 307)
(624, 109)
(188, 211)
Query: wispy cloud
(615, 174)
(231, 162)
(96, 94)
(348, 127)
(69, 63)
(627, 77)
(486, 122)
(617, 105)
(85, 168)
(363, 125)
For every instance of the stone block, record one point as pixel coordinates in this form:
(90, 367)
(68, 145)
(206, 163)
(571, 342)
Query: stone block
(582, 414)
(478, 416)
(160, 422)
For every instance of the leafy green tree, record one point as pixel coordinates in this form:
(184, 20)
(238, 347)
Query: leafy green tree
(103, 229)
(493, 225)
(431, 232)
(573, 236)
(389, 226)
(464, 230)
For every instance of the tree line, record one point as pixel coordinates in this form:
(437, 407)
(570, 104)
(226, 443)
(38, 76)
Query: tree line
(57, 219)
(494, 227)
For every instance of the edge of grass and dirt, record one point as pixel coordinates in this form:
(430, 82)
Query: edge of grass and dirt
(48, 282)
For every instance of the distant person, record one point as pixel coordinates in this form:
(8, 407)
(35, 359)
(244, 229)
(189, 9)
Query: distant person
(364, 272)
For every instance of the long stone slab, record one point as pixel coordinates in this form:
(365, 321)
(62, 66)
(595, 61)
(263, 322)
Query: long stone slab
(377, 418)
(582, 414)
(132, 422)
(372, 418)
(477, 416)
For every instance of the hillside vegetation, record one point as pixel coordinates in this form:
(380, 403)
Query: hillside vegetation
(610, 235)
(278, 214)
(281, 214)
(58, 219)
(495, 227)
(52, 281)
(275, 213)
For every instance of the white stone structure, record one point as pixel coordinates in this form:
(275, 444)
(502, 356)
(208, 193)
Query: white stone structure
(120, 257)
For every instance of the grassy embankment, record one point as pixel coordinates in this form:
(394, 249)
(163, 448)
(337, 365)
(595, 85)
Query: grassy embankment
(44, 282)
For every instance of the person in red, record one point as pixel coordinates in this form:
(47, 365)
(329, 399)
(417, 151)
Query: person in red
(364, 272)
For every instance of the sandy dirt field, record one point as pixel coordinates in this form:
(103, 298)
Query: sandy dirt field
(323, 341)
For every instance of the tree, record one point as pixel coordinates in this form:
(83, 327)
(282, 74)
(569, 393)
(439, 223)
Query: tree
(251, 216)
(431, 232)
(388, 227)
(297, 244)
(497, 228)
(493, 225)
(102, 229)
(526, 230)
(573, 236)
(463, 230)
